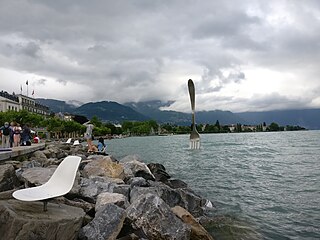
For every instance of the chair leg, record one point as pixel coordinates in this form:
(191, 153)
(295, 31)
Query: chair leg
(45, 203)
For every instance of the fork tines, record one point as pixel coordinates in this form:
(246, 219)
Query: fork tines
(195, 143)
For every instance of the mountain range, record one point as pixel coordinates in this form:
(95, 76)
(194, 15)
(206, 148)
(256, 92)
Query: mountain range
(141, 111)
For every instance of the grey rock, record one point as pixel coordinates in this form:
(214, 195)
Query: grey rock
(39, 154)
(192, 201)
(177, 183)
(185, 197)
(51, 151)
(40, 161)
(151, 214)
(27, 220)
(159, 172)
(106, 198)
(7, 194)
(8, 178)
(170, 196)
(31, 163)
(134, 167)
(198, 232)
(75, 202)
(106, 225)
(36, 176)
(138, 182)
(91, 188)
(122, 189)
(130, 158)
(103, 167)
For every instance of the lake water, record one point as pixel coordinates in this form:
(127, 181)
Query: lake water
(264, 185)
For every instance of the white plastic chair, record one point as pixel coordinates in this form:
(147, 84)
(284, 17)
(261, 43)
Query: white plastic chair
(76, 142)
(58, 185)
(68, 141)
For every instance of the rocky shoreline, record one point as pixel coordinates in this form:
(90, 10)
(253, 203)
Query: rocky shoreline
(111, 199)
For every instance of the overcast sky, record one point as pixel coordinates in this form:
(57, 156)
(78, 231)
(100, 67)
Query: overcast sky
(242, 55)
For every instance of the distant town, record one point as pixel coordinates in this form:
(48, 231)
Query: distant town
(13, 107)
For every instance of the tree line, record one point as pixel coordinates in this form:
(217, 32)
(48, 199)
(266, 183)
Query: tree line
(56, 125)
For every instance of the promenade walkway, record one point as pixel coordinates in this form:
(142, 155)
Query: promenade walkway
(20, 151)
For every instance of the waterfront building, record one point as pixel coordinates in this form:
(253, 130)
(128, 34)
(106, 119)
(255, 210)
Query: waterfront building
(8, 102)
(13, 102)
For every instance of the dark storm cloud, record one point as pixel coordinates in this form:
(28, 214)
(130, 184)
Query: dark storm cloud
(223, 24)
(29, 49)
(142, 49)
(275, 101)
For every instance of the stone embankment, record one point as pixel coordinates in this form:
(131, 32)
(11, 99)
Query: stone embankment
(110, 199)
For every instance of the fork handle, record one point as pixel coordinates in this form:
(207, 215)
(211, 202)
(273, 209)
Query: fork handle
(193, 121)
(193, 100)
(192, 94)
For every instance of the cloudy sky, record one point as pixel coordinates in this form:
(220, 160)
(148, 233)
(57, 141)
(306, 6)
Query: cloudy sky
(242, 55)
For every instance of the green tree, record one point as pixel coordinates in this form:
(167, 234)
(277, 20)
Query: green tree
(96, 121)
(168, 127)
(23, 117)
(274, 127)
(113, 128)
(72, 126)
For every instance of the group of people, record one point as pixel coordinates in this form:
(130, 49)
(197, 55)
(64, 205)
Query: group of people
(12, 135)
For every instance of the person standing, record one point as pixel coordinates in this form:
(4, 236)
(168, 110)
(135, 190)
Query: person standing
(88, 135)
(5, 130)
(16, 134)
(25, 135)
(11, 134)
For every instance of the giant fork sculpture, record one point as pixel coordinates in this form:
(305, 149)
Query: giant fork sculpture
(194, 135)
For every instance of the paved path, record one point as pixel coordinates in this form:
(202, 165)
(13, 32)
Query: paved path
(19, 151)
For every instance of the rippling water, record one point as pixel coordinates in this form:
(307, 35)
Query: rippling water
(264, 185)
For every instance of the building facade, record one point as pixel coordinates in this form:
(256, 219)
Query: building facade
(8, 102)
(13, 102)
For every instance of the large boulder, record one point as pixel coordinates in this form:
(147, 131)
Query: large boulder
(91, 188)
(39, 158)
(104, 167)
(57, 151)
(8, 178)
(151, 214)
(75, 202)
(177, 183)
(106, 225)
(7, 194)
(194, 203)
(159, 172)
(122, 189)
(138, 182)
(39, 154)
(183, 197)
(107, 198)
(36, 176)
(77, 149)
(52, 151)
(198, 232)
(170, 196)
(135, 168)
(27, 220)
(129, 158)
